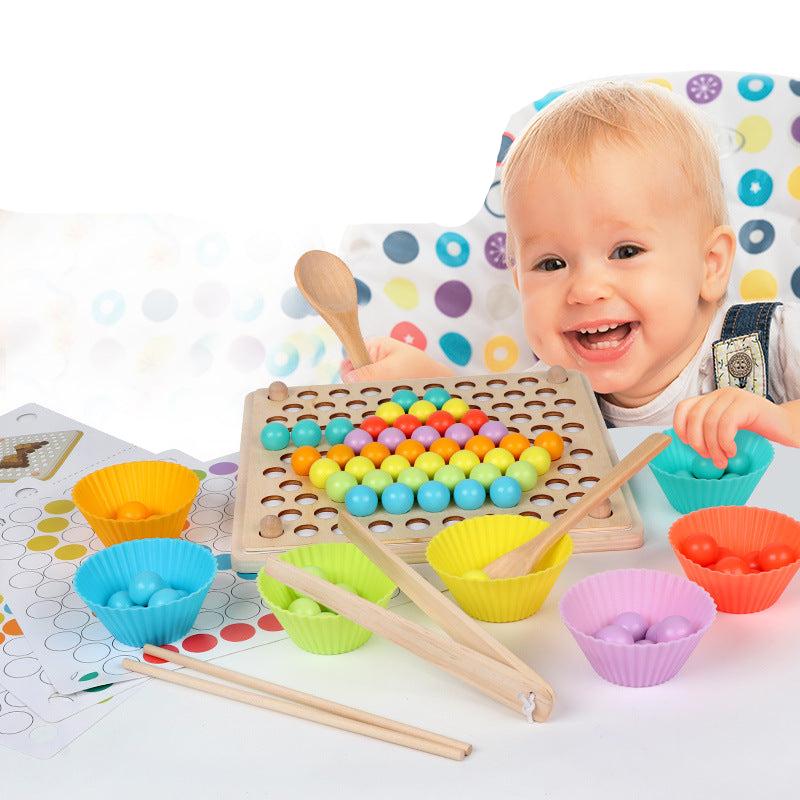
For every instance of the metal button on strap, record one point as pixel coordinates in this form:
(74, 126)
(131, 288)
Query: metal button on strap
(740, 365)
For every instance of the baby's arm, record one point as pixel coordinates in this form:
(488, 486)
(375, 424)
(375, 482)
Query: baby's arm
(392, 360)
(708, 423)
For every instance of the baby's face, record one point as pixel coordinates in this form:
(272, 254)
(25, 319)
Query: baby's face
(610, 269)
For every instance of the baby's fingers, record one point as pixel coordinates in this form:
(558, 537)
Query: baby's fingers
(694, 424)
(717, 447)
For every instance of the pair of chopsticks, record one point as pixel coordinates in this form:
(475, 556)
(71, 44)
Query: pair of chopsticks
(297, 704)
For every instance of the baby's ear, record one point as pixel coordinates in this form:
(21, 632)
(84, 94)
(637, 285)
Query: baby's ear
(717, 262)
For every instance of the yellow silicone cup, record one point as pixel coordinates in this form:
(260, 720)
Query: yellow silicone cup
(475, 542)
(167, 489)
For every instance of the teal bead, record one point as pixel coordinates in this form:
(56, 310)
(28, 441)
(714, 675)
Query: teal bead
(306, 432)
(433, 496)
(397, 499)
(469, 494)
(704, 468)
(162, 597)
(337, 429)
(361, 501)
(437, 396)
(145, 584)
(739, 464)
(275, 436)
(505, 492)
(120, 599)
(404, 398)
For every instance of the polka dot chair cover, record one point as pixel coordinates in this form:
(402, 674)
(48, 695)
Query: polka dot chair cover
(448, 290)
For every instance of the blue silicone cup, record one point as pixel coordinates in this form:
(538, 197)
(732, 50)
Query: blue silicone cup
(687, 493)
(183, 565)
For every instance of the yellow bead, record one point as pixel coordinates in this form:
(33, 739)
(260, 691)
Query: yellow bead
(500, 457)
(389, 412)
(537, 456)
(465, 460)
(422, 409)
(321, 470)
(429, 463)
(358, 467)
(456, 406)
(394, 465)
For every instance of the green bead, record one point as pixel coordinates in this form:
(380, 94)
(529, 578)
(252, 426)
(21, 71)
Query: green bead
(449, 476)
(304, 607)
(485, 474)
(413, 477)
(377, 480)
(315, 571)
(338, 485)
(524, 473)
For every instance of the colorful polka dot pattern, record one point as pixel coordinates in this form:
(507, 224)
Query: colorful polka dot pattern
(450, 292)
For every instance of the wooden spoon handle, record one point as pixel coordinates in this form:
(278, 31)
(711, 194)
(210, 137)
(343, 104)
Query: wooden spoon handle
(524, 558)
(354, 345)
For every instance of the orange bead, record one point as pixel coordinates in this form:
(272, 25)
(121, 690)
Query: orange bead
(515, 443)
(444, 447)
(375, 452)
(303, 458)
(480, 445)
(551, 442)
(410, 449)
(341, 454)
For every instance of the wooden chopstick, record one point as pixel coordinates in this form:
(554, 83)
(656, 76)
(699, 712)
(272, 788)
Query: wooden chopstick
(299, 704)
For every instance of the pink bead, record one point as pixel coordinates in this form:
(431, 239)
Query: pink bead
(459, 433)
(672, 628)
(634, 623)
(426, 435)
(391, 437)
(494, 430)
(356, 439)
(613, 633)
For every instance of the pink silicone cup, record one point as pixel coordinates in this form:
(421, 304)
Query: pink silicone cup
(595, 601)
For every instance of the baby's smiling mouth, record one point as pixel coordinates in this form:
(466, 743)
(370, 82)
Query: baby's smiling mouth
(606, 337)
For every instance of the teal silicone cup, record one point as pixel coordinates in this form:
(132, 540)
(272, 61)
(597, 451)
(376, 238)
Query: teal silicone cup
(687, 494)
(183, 565)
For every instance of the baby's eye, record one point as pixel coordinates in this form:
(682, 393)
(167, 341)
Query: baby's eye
(550, 265)
(627, 251)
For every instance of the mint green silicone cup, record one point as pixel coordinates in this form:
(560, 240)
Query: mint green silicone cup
(687, 494)
(341, 563)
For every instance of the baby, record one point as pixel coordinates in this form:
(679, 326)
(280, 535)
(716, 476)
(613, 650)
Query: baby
(618, 241)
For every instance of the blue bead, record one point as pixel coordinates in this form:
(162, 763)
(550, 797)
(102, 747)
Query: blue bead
(739, 464)
(704, 468)
(120, 599)
(437, 396)
(164, 596)
(275, 436)
(433, 496)
(144, 585)
(505, 492)
(397, 498)
(469, 494)
(405, 398)
(337, 429)
(361, 501)
(306, 432)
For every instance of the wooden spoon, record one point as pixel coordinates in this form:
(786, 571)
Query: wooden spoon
(328, 285)
(523, 559)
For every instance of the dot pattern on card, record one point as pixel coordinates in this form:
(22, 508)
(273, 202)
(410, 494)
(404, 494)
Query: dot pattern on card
(37, 455)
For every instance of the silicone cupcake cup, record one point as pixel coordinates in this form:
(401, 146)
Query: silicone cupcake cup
(741, 530)
(475, 542)
(342, 563)
(687, 494)
(594, 602)
(165, 488)
(183, 565)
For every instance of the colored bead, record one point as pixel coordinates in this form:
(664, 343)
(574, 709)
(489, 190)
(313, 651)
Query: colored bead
(515, 443)
(356, 439)
(465, 460)
(425, 435)
(397, 499)
(395, 464)
(405, 398)
(485, 474)
(505, 492)
(377, 479)
(375, 452)
(413, 477)
(449, 476)
(457, 407)
(429, 463)
(361, 501)
(437, 395)
(306, 432)
(341, 454)
(469, 495)
(501, 458)
(337, 486)
(445, 447)
(389, 412)
(303, 458)
(358, 467)
(433, 497)
(275, 436)
(422, 409)
(391, 437)
(480, 445)
(494, 430)
(538, 456)
(373, 426)
(524, 473)
(441, 421)
(337, 429)
(321, 470)
(475, 418)
(407, 424)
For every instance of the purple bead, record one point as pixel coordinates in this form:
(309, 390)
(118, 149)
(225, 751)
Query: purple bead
(426, 435)
(644, 641)
(356, 439)
(459, 433)
(494, 430)
(391, 437)
(652, 633)
(613, 633)
(634, 623)
(672, 628)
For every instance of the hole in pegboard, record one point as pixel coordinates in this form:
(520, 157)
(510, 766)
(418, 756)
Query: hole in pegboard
(465, 385)
(537, 429)
(277, 418)
(418, 524)
(272, 500)
(535, 404)
(564, 402)
(588, 481)
(572, 427)
(356, 403)
(293, 407)
(306, 499)
(520, 417)
(527, 380)
(502, 406)
(306, 530)
(530, 514)
(452, 520)
(286, 458)
(513, 429)
(368, 391)
(335, 529)
(566, 440)
(274, 472)
(542, 500)
(546, 390)
(497, 382)
(573, 497)
(569, 469)
(432, 386)
(380, 526)
(289, 514)
(493, 417)
(325, 513)
(291, 486)
(581, 452)
(324, 404)
(514, 394)
(401, 386)
(553, 415)
(339, 415)
(368, 413)
(27, 419)
(340, 391)
(560, 512)
(306, 394)
(308, 416)
(557, 483)
(478, 396)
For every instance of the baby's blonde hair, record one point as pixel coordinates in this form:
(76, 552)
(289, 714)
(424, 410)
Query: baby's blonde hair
(621, 112)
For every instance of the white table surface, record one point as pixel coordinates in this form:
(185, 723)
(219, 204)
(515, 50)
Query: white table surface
(724, 727)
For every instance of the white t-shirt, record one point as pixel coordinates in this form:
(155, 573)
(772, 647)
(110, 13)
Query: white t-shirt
(698, 376)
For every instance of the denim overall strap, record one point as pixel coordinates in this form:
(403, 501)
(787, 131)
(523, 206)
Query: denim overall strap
(741, 355)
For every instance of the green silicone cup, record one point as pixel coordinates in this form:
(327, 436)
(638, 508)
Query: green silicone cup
(341, 563)
(686, 494)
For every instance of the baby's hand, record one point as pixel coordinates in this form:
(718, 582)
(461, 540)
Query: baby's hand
(708, 423)
(393, 360)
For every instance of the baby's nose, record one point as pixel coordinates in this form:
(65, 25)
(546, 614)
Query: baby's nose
(588, 285)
